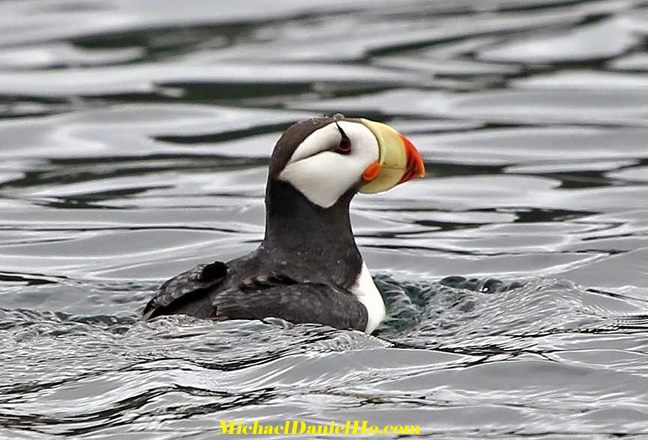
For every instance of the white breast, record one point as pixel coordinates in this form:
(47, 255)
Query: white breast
(367, 293)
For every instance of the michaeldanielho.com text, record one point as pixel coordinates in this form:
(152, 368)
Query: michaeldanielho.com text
(297, 427)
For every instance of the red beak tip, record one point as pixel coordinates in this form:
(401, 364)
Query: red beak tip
(415, 165)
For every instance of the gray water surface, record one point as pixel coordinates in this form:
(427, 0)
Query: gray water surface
(134, 138)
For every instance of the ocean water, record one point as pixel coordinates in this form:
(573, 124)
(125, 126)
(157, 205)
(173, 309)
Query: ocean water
(134, 139)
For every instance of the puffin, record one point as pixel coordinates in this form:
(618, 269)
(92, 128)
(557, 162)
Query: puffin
(308, 268)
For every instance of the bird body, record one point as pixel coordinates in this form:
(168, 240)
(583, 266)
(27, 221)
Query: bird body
(308, 268)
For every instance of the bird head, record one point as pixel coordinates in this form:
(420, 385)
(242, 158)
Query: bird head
(325, 158)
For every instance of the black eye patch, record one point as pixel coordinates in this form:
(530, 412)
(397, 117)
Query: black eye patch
(345, 143)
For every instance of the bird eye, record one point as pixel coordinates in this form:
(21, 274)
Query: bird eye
(345, 143)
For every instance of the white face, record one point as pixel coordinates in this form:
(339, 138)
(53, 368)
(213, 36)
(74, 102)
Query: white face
(322, 173)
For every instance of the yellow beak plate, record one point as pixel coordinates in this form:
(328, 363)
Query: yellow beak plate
(399, 161)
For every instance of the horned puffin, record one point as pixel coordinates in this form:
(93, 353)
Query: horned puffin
(308, 268)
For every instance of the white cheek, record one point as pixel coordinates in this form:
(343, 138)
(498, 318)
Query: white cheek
(318, 141)
(325, 176)
(322, 178)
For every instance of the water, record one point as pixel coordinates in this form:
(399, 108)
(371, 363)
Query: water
(133, 144)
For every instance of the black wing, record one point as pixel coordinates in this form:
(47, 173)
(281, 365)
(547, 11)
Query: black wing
(281, 297)
(184, 287)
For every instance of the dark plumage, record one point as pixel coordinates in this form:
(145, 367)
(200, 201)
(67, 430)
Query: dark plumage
(296, 274)
(308, 267)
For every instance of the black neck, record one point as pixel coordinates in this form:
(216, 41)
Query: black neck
(308, 238)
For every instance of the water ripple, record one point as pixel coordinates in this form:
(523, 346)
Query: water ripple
(135, 142)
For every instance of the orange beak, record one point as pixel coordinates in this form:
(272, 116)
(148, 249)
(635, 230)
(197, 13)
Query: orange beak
(398, 162)
(415, 166)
